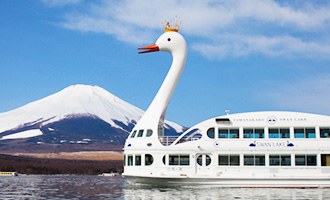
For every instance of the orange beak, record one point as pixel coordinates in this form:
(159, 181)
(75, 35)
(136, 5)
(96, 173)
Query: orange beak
(149, 49)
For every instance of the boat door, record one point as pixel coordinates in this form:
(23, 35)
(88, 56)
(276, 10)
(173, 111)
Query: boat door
(203, 164)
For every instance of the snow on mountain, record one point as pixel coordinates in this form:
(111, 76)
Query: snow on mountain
(75, 100)
(23, 134)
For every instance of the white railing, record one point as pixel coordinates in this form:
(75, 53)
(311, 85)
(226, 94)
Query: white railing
(168, 140)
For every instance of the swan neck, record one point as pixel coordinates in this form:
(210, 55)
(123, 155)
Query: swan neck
(153, 118)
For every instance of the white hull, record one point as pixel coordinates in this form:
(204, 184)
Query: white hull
(232, 182)
(237, 161)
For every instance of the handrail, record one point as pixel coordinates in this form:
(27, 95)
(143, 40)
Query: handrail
(168, 140)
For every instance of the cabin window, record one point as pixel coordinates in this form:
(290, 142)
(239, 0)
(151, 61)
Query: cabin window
(248, 133)
(273, 133)
(254, 160)
(300, 160)
(223, 133)
(200, 160)
(305, 160)
(304, 133)
(299, 133)
(149, 133)
(325, 159)
(148, 159)
(130, 160)
(178, 160)
(138, 160)
(279, 160)
(184, 159)
(133, 134)
(232, 160)
(124, 159)
(278, 132)
(164, 159)
(253, 132)
(210, 133)
(259, 133)
(140, 134)
(325, 132)
(248, 159)
(173, 160)
(207, 160)
(284, 132)
(310, 133)
(228, 133)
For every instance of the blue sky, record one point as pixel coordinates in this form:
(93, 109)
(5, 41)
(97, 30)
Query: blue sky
(243, 55)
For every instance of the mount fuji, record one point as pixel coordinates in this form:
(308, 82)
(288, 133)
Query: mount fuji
(79, 117)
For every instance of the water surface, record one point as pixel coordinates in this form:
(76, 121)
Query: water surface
(97, 187)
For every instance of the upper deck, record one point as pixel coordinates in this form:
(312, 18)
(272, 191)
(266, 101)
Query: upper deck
(254, 129)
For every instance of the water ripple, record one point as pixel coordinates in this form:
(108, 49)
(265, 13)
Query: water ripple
(96, 187)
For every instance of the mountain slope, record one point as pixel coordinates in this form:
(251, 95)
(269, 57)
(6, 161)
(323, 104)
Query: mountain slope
(75, 113)
(73, 100)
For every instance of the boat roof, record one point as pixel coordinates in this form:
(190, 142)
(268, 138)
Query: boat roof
(267, 119)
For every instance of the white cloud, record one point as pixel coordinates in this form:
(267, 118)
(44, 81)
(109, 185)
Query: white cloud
(241, 45)
(225, 28)
(123, 33)
(310, 94)
(305, 17)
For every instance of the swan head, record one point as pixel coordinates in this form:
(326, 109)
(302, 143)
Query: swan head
(169, 41)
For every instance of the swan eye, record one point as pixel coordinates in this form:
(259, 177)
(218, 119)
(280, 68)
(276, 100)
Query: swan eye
(169, 39)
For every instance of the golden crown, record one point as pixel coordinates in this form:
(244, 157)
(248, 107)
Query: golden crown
(170, 27)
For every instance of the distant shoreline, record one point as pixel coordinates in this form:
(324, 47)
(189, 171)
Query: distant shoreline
(82, 155)
(33, 165)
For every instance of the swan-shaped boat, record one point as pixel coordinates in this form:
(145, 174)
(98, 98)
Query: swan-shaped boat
(256, 149)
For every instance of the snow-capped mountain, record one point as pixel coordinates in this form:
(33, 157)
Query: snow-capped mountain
(89, 110)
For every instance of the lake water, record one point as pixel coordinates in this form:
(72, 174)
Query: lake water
(97, 187)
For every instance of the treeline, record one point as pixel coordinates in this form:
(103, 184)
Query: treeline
(26, 165)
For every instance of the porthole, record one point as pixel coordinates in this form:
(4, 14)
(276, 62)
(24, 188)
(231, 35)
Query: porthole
(200, 160)
(207, 160)
(210, 133)
(148, 159)
(149, 133)
(203, 160)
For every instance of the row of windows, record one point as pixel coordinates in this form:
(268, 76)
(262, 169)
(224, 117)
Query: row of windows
(148, 160)
(274, 160)
(185, 159)
(234, 160)
(301, 132)
(140, 133)
(175, 159)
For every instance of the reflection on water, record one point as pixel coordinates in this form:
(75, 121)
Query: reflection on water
(61, 187)
(206, 192)
(96, 187)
